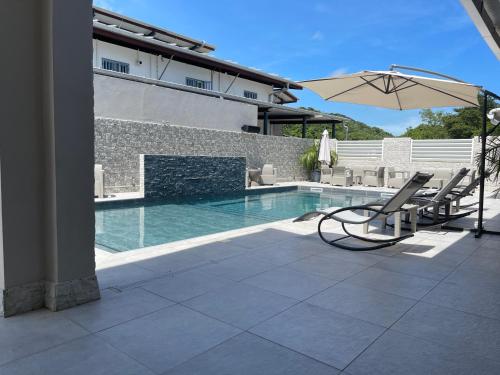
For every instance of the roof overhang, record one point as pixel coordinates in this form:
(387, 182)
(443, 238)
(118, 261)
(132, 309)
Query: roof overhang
(290, 115)
(158, 43)
(486, 16)
(286, 97)
(135, 26)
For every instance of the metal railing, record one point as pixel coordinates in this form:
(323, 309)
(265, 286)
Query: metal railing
(451, 150)
(360, 149)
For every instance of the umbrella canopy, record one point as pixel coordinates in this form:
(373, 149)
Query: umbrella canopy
(324, 149)
(395, 90)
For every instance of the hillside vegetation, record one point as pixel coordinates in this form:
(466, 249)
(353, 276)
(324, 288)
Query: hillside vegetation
(460, 123)
(357, 130)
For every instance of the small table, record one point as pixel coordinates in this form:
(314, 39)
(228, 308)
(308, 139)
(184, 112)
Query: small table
(412, 209)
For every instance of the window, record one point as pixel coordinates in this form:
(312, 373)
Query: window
(193, 82)
(116, 66)
(250, 94)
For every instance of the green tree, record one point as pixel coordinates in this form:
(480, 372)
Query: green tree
(460, 123)
(424, 131)
(429, 117)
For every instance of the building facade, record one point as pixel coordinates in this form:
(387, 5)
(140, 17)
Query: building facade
(146, 73)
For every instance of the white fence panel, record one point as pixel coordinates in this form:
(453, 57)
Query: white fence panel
(444, 150)
(360, 149)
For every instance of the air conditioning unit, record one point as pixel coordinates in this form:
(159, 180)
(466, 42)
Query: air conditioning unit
(250, 129)
(98, 181)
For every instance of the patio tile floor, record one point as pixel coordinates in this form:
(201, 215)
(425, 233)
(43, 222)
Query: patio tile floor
(241, 305)
(276, 300)
(322, 334)
(247, 354)
(366, 304)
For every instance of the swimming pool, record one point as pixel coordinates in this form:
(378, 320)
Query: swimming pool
(127, 226)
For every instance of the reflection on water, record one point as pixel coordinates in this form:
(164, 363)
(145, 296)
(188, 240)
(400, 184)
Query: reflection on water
(134, 226)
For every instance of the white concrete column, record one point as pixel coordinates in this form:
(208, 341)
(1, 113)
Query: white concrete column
(46, 156)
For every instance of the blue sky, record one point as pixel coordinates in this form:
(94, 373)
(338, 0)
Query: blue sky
(312, 39)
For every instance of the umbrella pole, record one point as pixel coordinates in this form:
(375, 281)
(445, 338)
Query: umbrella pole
(482, 167)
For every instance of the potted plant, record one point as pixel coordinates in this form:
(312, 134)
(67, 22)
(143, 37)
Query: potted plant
(309, 160)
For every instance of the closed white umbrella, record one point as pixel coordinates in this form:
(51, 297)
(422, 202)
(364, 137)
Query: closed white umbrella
(324, 155)
(395, 90)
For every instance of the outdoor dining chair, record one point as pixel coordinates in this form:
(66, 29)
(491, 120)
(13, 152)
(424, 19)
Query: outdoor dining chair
(326, 175)
(269, 175)
(396, 178)
(374, 176)
(341, 176)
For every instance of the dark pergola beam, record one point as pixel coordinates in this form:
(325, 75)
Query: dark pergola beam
(296, 118)
(266, 123)
(304, 126)
(295, 122)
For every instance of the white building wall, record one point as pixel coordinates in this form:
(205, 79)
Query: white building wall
(151, 66)
(142, 101)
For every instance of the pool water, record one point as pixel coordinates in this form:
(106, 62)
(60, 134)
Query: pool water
(123, 226)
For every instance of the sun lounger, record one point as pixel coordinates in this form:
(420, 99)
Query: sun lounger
(380, 210)
(430, 207)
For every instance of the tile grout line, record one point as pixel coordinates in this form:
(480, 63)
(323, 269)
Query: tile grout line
(420, 300)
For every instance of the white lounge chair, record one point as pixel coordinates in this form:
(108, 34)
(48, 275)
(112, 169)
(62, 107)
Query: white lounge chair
(441, 177)
(269, 175)
(341, 176)
(326, 175)
(98, 181)
(396, 178)
(374, 176)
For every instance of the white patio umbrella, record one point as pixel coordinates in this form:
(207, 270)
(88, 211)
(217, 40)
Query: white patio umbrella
(395, 90)
(324, 155)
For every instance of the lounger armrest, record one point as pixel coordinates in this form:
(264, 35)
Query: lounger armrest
(368, 207)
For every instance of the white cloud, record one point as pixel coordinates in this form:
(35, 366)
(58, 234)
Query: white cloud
(318, 35)
(338, 72)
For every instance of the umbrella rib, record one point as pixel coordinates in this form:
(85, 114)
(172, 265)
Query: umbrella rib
(389, 79)
(331, 78)
(355, 87)
(395, 88)
(446, 93)
(397, 96)
(404, 88)
(372, 85)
